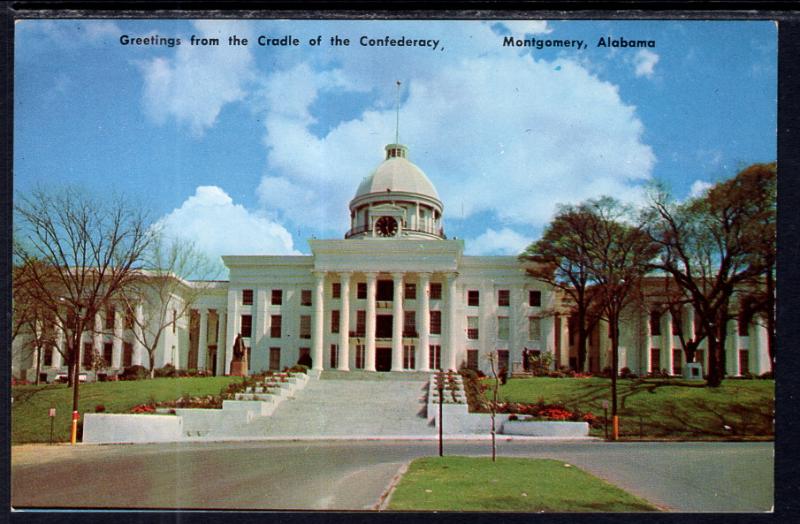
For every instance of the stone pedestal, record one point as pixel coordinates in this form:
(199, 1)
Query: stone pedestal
(239, 368)
(693, 371)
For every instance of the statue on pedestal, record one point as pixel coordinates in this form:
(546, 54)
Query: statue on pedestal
(239, 363)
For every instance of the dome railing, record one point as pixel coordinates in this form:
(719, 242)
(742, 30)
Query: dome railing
(363, 229)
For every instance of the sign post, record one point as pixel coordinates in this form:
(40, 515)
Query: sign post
(52, 414)
(440, 380)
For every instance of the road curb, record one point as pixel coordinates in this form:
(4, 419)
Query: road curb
(386, 496)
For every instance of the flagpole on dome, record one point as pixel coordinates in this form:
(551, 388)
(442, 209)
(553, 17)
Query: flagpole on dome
(397, 121)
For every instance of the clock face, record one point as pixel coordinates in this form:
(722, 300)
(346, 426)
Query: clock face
(386, 226)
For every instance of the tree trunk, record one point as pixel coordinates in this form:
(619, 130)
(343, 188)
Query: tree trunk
(771, 319)
(152, 356)
(582, 336)
(38, 364)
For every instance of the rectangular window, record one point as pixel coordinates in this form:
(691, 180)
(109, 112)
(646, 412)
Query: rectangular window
(410, 291)
(408, 357)
(385, 290)
(361, 291)
(677, 362)
(534, 328)
(109, 318)
(48, 356)
(174, 320)
(305, 326)
(436, 291)
(360, 354)
(334, 321)
(409, 324)
(127, 354)
(535, 298)
(435, 356)
(247, 297)
(677, 326)
(472, 328)
(336, 290)
(88, 355)
(436, 322)
(655, 360)
(129, 318)
(247, 325)
(502, 328)
(472, 359)
(274, 359)
(503, 297)
(275, 326)
(744, 362)
(334, 356)
(304, 355)
(361, 323)
(744, 325)
(108, 350)
(277, 297)
(473, 297)
(655, 323)
(305, 297)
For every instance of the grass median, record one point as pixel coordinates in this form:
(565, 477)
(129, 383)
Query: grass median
(660, 408)
(29, 412)
(510, 484)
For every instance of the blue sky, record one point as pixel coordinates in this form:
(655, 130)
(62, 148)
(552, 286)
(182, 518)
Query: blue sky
(254, 150)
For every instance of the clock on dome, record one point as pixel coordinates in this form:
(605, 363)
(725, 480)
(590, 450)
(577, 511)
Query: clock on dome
(386, 226)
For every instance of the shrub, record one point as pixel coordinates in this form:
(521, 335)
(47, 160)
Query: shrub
(167, 371)
(767, 375)
(100, 408)
(298, 368)
(134, 373)
(625, 372)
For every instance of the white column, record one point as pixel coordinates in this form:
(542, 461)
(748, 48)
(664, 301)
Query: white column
(423, 321)
(57, 358)
(231, 329)
(116, 348)
(759, 347)
(667, 359)
(202, 339)
(369, 365)
(260, 325)
(139, 356)
(344, 323)
(648, 337)
(97, 336)
(222, 327)
(453, 340)
(318, 322)
(515, 326)
(397, 320)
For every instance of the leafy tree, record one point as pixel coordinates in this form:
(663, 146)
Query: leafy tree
(716, 244)
(561, 259)
(619, 253)
(77, 252)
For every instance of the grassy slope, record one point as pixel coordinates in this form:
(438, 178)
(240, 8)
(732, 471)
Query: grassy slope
(29, 413)
(668, 408)
(510, 484)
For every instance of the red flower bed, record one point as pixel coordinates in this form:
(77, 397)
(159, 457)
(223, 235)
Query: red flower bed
(555, 414)
(143, 408)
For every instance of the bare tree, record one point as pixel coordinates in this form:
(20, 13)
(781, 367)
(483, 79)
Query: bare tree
(494, 359)
(560, 259)
(31, 322)
(77, 253)
(619, 252)
(717, 244)
(163, 291)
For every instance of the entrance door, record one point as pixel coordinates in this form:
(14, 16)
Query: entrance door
(383, 359)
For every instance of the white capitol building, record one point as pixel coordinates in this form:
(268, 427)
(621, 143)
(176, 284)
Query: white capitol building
(396, 294)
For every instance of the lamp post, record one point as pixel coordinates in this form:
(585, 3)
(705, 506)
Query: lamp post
(440, 385)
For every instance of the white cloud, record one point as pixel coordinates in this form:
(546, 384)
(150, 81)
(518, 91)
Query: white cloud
(527, 27)
(221, 227)
(506, 134)
(503, 242)
(699, 187)
(645, 62)
(198, 81)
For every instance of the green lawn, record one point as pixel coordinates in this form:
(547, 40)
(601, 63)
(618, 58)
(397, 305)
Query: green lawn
(660, 408)
(510, 484)
(29, 413)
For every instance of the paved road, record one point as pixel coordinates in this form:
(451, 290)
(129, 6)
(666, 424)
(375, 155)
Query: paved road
(353, 474)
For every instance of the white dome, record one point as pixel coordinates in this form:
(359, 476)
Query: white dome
(397, 174)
